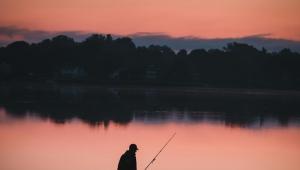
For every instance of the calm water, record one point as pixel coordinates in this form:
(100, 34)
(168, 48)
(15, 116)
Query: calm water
(76, 129)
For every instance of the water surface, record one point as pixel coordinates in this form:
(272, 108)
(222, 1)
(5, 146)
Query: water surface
(77, 130)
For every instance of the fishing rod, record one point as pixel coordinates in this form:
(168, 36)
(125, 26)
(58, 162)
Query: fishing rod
(160, 151)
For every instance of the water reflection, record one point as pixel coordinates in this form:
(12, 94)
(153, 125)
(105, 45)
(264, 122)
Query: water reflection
(214, 128)
(32, 144)
(102, 105)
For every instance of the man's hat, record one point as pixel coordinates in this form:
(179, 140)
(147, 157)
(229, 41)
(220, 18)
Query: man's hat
(133, 147)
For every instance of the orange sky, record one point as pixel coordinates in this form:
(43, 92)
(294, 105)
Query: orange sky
(200, 18)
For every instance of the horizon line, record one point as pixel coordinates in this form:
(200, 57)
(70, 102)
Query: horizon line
(10, 31)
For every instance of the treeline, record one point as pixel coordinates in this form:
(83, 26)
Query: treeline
(102, 59)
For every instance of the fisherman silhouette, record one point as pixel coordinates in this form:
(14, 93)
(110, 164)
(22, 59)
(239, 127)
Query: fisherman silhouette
(128, 159)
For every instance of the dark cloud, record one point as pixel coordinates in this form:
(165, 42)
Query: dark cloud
(146, 39)
(259, 41)
(10, 32)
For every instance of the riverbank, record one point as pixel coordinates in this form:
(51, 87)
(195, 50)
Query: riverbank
(167, 90)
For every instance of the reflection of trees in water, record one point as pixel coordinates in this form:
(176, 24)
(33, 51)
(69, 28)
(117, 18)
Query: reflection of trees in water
(99, 106)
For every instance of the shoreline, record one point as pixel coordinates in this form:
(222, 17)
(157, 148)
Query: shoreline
(160, 89)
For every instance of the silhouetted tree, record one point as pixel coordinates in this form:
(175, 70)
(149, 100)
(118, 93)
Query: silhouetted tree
(103, 59)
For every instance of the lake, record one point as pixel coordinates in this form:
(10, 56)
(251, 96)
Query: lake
(76, 128)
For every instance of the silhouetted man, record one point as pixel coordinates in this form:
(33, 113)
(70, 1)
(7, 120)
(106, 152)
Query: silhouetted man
(128, 159)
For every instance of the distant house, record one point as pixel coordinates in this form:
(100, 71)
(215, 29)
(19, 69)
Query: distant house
(73, 73)
(115, 75)
(151, 72)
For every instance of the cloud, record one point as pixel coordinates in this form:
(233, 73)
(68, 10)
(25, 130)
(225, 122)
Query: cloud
(264, 35)
(258, 40)
(9, 34)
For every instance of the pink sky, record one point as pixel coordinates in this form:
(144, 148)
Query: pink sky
(200, 18)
